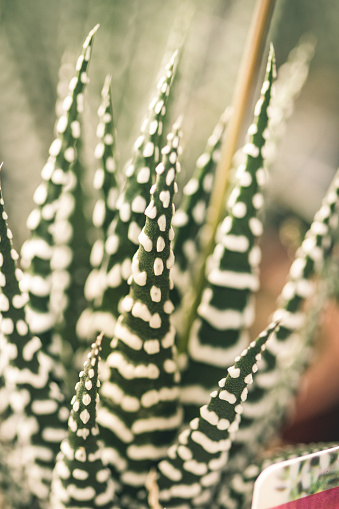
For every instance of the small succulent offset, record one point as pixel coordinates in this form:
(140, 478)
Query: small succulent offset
(167, 428)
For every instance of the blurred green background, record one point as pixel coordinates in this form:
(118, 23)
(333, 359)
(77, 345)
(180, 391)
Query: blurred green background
(40, 41)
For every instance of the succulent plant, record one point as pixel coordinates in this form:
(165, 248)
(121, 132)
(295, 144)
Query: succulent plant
(186, 405)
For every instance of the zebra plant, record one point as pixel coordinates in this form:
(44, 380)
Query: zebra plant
(165, 428)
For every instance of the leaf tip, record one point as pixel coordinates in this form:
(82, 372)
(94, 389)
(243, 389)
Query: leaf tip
(271, 61)
(90, 36)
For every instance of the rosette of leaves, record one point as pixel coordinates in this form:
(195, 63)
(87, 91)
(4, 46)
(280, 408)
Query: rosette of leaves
(140, 417)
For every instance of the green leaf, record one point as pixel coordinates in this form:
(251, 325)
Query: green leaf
(140, 415)
(38, 251)
(284, 360)
(226, 307)
(36, 419)
(80, 477)
(189, 218)
(123, 235)
(90, 322)
(105, 179)
(70, 265)
(193, 468)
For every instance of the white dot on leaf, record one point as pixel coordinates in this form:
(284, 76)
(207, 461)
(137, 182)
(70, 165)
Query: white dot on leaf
(84, 416)
(86, 399)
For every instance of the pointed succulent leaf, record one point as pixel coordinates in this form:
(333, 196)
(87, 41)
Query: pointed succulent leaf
(124, 231)
(309, 262)
(4, 393)
(105, 179)
(69, 265)
(37, 417)
(80, 477)
(12, 338)
(283, 362)
(190, 216)
(90, 321)
(70, 258)
(37, 252)
(9, 316)
(226, 308)
(189, 219)
(192, 470)
(140, 415)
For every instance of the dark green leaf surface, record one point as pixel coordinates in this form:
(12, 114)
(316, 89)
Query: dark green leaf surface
(283, 361)
(140, 415)
(193, 468)
(92, 319)
(191, 214)
(124, 231)
(38, 253)
(226, 309)
(80, 477)
(36, 418)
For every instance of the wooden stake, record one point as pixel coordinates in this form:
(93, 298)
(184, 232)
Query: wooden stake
(246, 77)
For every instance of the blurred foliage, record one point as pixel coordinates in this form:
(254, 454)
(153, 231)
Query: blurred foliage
(37, 36)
